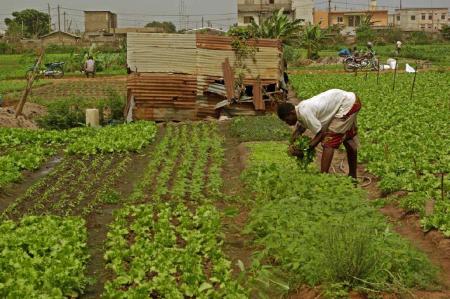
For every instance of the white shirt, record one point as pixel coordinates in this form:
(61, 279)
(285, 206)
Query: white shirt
(317, 112)
(90, 65)
(399, 44)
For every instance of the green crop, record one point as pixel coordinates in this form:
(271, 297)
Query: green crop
(405, 141)
(307, 154)
(123, 138)
(168, 252)
(43, 257)
(320, 230)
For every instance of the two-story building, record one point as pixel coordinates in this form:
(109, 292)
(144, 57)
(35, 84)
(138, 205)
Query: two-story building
(349, 20)
(420, 19)
(259, 10)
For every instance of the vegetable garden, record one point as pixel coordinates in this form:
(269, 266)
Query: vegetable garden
(219, 210)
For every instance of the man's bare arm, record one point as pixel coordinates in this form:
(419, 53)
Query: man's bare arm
(299, 130)
(317, 139)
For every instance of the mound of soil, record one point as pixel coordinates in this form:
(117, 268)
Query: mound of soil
(30, 112)
(8, 120)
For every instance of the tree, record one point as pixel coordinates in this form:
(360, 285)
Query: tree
(445, 31)
(30, 22)
(364, 32)
(277, 26)
(312, 39)
(167, 27)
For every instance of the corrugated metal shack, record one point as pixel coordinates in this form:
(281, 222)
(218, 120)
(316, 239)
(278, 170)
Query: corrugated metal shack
(192, 76)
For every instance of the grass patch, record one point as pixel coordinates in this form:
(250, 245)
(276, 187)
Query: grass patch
(259, 128)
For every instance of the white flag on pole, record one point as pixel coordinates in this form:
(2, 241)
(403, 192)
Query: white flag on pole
(410, 69)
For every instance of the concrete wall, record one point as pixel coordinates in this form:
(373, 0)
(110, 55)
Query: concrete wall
(425, 19)
(303, 10)
(95, 21)
(60, 39)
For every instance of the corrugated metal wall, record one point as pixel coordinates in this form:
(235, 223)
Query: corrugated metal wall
(173, 71)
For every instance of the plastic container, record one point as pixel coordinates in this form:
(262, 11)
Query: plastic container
(92, 118)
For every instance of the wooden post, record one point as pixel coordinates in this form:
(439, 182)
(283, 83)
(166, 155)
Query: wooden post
(258, 100)
(395, 74)
(30, 82)
(414, 84)
(228, 77)
(378, 74)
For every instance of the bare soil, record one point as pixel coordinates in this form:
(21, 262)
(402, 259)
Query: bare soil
(236, 244)
(79, 87)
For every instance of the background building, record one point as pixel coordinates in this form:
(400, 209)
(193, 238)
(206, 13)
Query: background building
(349, 20)
(259, 10)
(97, 22)
(420, 19)
(60, 38)
(303, 10)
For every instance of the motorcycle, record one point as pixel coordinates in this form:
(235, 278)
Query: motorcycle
(367, 61)
(53, 69)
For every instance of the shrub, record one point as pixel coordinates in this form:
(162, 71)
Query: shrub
(71, 113)
(64, 114)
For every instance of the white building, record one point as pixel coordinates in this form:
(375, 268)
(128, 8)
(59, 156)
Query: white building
(259, 10)
(421, 19)
(304, 10)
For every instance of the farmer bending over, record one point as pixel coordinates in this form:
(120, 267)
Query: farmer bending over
(331, 117)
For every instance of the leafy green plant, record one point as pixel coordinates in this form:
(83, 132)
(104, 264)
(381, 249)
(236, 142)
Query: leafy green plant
(121, 138)
(309, 225)
(168, 252)
(405, 145)
(43, 257)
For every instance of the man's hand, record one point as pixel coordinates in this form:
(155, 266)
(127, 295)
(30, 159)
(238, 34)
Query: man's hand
(295, 152)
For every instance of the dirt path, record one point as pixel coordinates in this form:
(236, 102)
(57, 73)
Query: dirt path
(236, 244)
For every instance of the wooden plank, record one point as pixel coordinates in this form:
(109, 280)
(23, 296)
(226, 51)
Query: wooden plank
(257, 97)
(228, 76)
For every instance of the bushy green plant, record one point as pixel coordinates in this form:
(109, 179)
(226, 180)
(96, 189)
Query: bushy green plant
(64, 114)
(320, 229)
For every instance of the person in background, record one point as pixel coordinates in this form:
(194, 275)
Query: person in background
(331, 117)
(89, 67)
(398, 47)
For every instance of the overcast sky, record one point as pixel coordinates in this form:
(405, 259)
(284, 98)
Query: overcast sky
(138, 12)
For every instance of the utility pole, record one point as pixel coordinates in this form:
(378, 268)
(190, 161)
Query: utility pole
(59, 19)
(329, 13)
(400, 4)
(203, 21)
(64, 19)
(49, 18)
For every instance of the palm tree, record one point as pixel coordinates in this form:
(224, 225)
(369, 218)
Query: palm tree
(311, 40)
(278, 26)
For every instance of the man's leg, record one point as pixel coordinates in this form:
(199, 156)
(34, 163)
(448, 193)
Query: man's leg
(352, 157)
(327, 158)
